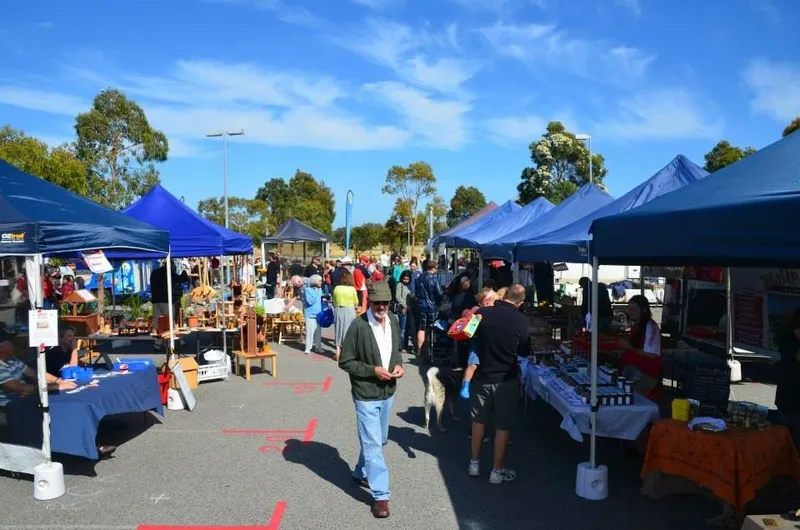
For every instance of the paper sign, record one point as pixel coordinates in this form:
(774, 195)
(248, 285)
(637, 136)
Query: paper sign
(43, 328)
(97, 262)
(86, 295)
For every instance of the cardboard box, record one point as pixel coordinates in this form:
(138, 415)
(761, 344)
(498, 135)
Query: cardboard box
(189, 367)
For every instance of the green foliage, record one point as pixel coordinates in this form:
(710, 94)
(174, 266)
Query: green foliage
(57, 165)
(338, 236)
(246, 216)
(466, 201)
(410, 185)
(395, 233)
(724, 154)
(120, 148)
(561, 166)
(303, 197)
(792, 127)
(366, 236)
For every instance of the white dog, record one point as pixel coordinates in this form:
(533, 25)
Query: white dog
(442, 385)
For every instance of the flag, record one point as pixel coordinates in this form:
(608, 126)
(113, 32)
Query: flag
(348, 212)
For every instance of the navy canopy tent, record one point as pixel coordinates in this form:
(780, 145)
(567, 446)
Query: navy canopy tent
(293, 231)
(474, 218)
(739, 216)
(38, 217)
(190, 234)
(504, 224)
(584, 201)
(459, 239)
(570, 243)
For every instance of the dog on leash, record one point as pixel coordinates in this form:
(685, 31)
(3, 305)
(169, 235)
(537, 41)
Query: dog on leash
(443, 385)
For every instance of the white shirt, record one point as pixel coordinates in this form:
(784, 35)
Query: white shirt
(384, 261)
(383, 336)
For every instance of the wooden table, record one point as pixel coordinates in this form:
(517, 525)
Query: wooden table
(294, 328)
(263, 355)
(732, 465)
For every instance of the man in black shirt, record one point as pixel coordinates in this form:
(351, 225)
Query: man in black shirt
(273, 275)
(313, 268)
(336, 274)
(296, 268)
(65, 354)
(159, 293)
(502, 336)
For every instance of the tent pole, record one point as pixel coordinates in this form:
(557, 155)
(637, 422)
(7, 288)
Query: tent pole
(729, 314)
(305, 259)
(170, 272)
(480, 272)
(593, 367)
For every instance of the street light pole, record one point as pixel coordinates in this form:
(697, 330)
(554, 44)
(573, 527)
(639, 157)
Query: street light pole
(224, 135)
(588, 140)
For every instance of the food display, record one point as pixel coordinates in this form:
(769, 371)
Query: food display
(747, 415)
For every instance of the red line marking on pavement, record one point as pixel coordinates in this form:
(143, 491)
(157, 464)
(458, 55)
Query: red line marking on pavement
(326, 385)
(312, 425)
(261, 431)
(274, 523)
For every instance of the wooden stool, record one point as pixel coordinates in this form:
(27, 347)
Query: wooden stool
(250, 351)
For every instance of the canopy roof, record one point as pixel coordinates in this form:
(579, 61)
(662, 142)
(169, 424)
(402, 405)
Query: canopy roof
(739, 216)
(293, 231)
(190, 234)
(498, 226)
(38, 217)
(458, 237)
(584, 201)
(570, 243)
(486, 210)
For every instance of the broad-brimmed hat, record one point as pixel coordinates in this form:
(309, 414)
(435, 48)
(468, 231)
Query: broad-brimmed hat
(379, 292)
(347, 260)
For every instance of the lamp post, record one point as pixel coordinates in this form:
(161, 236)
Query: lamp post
(588, 139)
(224, 135)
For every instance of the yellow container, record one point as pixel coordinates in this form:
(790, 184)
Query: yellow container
(680, 409)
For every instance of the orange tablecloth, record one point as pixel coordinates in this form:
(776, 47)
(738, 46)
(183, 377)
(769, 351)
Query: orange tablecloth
(733, 465)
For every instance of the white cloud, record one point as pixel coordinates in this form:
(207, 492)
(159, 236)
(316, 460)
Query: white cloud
(660, 115)
(41, 100)
(401, 49)
(500, 6)
(286, 12)
(45, 25)
(516, 129)
(775, 88)
(633, 5)
(545, 45)
(377, 5)
(441, 123)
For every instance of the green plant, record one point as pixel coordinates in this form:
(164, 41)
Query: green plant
(260, 311)
(147, 314)
(184, 302)
(134, 304)
(189, 311)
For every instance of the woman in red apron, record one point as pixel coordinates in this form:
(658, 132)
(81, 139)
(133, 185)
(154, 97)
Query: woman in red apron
(643, 344)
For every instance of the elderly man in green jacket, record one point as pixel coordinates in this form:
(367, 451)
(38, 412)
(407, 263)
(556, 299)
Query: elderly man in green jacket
(371, 355)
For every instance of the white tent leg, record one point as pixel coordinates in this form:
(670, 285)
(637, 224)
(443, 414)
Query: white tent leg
(170, 272)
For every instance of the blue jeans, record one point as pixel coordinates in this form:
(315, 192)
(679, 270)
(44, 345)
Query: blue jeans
(403, 331)
(372, 419)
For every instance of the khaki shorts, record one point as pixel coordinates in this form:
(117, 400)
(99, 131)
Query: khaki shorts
(497, 402)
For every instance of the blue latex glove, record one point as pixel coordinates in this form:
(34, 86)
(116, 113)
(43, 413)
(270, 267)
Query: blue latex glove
(464, 390)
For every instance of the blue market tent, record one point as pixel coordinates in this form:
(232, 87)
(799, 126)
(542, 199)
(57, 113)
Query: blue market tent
(293, 231)
(474, 218)
(190, 234)
(38, 217)
(738, 216)
(570, 243)
(581, 203)
(459, 239)
(529, 213)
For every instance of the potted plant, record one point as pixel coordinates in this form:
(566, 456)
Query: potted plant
(191, 316)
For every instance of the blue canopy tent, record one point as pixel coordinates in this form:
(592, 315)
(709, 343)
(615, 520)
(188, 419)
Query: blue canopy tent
(738, 216)
(190, 234)
(584, 201)
(458, 238)
(570, 243)
(486, 210)
(501, 225)
(36, 218)
(293, 231)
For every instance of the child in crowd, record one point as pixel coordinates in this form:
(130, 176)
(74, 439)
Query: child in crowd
(485, 298)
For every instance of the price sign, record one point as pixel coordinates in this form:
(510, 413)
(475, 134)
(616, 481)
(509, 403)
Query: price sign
(42, 328)
(97, 262)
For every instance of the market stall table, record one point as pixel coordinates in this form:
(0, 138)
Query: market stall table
(290, 330)
(75, 416)
(733, 464)
(624, 422)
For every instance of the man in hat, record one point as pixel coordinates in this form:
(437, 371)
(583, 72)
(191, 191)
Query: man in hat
(371, 355)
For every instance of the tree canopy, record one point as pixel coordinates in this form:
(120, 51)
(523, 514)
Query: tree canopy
(303, 197)
(410, 186)
(366, 236)
(792, 127)
(466, 201)
(58, 165)
(561, 166)
(724, 154)
(120, 148)
(246, 216)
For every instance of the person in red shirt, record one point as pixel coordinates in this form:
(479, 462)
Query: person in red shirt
(360, 277)
(67, 286)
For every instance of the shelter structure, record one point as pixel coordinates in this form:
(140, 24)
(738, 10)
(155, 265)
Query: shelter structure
(457, 238)
(495, 226)
(486, 210)
(293, 231)
(570, 243)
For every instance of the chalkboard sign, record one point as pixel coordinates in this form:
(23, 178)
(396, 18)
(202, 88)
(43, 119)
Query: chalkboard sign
(186, 392)
(710, 384)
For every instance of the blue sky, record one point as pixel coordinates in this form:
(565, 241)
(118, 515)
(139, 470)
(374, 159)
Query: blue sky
(345, 89)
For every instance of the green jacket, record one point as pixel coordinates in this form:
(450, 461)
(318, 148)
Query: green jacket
(360, 355)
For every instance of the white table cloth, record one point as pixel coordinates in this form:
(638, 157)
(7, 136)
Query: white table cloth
(625, 422)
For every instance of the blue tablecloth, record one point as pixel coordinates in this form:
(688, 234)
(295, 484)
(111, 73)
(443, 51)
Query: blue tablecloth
(74, 417)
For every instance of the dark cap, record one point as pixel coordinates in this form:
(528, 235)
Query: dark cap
(379, 292)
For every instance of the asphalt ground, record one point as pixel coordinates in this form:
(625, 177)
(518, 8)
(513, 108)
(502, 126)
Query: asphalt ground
(214, 467)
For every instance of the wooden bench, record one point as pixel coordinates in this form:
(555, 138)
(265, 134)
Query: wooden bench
(250, 350)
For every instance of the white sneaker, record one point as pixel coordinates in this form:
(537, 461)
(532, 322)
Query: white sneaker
(498, 476)
(474, 469)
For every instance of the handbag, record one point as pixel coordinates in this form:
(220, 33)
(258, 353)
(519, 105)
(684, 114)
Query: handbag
(325, 317)
(464, 328)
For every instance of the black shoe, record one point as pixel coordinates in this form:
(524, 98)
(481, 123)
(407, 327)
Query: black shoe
(106, 451)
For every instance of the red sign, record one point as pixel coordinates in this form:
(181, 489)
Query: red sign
(748, 319)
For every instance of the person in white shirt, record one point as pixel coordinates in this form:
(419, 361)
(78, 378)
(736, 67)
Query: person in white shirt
(384, 261)
(642, 360)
